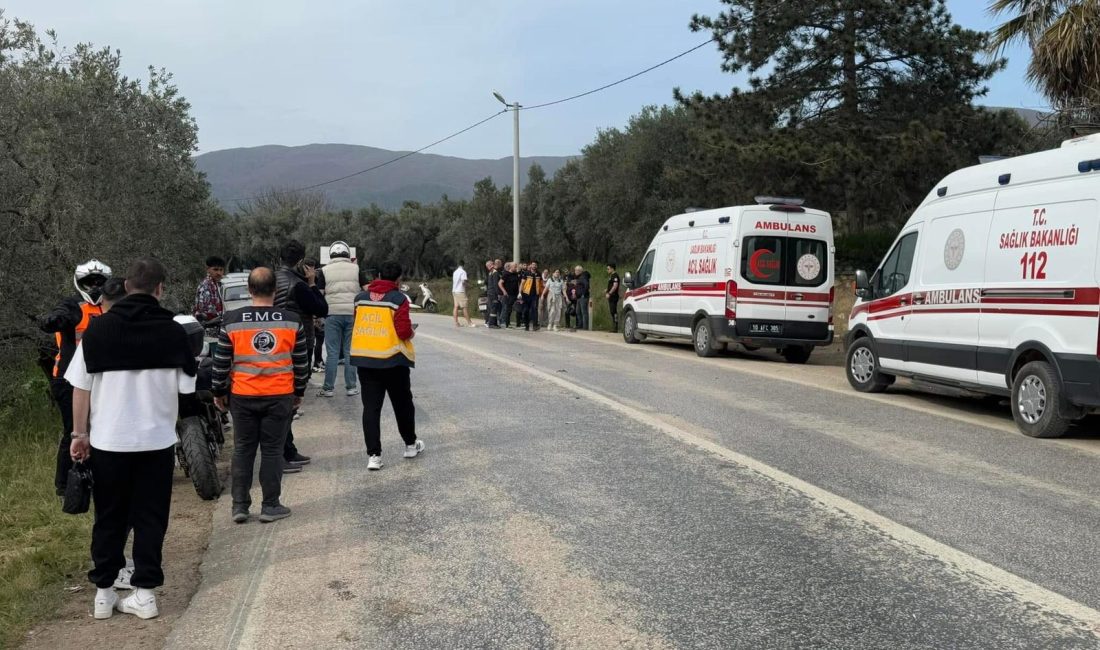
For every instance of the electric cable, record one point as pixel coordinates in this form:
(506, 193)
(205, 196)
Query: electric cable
(479, 123)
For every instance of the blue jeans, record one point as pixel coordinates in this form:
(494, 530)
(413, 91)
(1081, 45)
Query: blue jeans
(338, 343)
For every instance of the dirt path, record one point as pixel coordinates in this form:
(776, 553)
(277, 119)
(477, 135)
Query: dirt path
(188, 536)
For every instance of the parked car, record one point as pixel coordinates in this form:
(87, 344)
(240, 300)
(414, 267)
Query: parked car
(235, 291)
(993, 286)
(760, 276)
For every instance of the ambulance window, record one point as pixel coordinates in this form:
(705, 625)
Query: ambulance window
(893, 276)
(807, 262)
(762, 260)
(645, 269)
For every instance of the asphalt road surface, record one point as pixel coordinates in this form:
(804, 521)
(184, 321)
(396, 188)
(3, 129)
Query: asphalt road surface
(579, 492)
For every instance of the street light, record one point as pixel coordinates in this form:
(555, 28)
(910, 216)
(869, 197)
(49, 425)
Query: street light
(515, 174)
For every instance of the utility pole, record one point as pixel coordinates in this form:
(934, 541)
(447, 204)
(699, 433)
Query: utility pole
(515, 173)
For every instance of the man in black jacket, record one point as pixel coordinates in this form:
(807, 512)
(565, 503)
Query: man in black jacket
(492, 290)
(126, 375)
(296, 291)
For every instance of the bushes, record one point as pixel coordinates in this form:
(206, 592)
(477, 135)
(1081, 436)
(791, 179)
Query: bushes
(863, 251)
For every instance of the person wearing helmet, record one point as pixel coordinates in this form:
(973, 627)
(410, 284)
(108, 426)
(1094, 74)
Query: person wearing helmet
(67, 322)
(342, 281)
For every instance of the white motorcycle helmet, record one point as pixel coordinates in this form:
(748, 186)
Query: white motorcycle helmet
(339, 249)
(89, 279)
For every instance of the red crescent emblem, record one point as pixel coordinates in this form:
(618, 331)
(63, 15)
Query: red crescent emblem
(754, 264)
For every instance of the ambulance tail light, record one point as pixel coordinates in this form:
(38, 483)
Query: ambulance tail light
(731, 300)
(832, 295)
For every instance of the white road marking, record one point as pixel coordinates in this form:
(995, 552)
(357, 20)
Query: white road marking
(995, 577)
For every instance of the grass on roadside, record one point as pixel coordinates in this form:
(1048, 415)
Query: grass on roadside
(41, 547)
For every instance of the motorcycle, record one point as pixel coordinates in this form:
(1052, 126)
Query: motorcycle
(423, 300)
(200, 431)
(427, 302)
(412, 298)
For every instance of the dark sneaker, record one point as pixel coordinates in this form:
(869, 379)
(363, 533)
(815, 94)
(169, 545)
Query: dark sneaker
(300, 459)
(291, 468)
(240, 515)
(274, 513)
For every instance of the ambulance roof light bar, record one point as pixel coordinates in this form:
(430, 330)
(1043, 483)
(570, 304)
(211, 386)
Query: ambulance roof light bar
(779, 200)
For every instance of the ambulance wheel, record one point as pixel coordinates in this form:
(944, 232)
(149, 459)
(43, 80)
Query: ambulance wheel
(797, 353)
(630, 328)
(861, 366)
(702, 338)
(1037, 402)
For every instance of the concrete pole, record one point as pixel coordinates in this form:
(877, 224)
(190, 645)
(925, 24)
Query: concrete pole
(515, 184)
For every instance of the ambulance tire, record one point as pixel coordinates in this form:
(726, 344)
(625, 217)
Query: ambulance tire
(1037, 402)
(201, 463)
(630, 328)
(861, 367)
(797, 353)
(702, 339)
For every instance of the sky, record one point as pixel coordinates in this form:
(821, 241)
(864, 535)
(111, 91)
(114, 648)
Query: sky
(399, 74)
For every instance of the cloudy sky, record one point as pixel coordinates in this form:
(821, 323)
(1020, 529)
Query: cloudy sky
(399, 74)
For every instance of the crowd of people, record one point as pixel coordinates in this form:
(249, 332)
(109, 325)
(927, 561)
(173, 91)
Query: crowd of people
(123, 360)
(536, 299)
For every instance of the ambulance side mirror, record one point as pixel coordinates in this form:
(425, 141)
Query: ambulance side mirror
(863, 285)
(628, 280)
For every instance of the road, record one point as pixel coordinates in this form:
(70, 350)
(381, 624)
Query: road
(579, 492)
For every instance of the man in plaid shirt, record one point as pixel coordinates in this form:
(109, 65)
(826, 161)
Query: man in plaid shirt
(208, 301)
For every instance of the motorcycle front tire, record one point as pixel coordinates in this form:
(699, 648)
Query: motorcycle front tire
(201, 464)
(430, 307)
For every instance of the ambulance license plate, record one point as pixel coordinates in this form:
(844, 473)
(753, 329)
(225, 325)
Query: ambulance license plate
(771, 329)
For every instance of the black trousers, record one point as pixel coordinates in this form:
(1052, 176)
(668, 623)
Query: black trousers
(132, 490)
(507, 303)
(259, 422)
(376, 383)
(531, 312)
(62, 392)
(319, 347)
(613, 305)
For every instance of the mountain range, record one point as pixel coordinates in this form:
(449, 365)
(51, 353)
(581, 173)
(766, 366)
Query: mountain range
(245, 172)
(239, 173)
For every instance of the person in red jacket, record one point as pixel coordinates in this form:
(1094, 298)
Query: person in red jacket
(383, 353)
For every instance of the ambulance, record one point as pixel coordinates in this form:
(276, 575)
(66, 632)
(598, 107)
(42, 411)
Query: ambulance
(993, 286)
(760, 276)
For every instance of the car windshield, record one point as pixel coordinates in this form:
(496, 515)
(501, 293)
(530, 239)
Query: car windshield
(239, 292)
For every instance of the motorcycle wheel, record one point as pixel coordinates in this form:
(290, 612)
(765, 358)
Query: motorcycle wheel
(201, 460)
(430, 307)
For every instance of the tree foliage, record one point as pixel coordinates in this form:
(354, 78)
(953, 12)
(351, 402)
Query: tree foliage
(1064, 37)
(834, 88)
(92, 164)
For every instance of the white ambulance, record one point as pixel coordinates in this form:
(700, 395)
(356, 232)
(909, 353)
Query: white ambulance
(992, 286)
(759, 275)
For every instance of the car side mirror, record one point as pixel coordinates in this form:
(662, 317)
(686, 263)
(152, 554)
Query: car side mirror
(628, 280)
(863, 285)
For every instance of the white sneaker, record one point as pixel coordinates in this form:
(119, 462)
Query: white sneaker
(142, 603)
(374, 463)
(123, 579)
(105, 601)
(412, 450)
(326, 392)
(352, 392)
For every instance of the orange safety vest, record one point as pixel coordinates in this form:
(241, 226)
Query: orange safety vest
(263, 343)
(87, 313)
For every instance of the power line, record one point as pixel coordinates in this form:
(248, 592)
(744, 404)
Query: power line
(379, 165)
(623, 80)
(479, 123)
